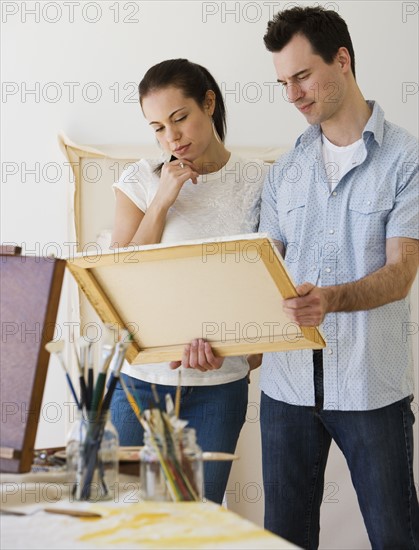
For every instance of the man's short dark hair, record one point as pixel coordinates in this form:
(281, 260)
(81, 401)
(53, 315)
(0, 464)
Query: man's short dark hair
(324, 29)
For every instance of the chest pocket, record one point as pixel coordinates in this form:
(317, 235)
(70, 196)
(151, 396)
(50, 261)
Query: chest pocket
(371, 205)
(368, 218)
(287, 205)
(291, 213)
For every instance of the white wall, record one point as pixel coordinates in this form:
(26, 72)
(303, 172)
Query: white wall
(112, 55)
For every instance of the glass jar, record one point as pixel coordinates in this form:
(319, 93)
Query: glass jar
(164, 478)
(92, 458)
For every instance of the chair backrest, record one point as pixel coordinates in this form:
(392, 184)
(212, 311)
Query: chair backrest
(96, 168)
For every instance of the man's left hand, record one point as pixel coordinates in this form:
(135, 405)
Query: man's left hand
(309, 309)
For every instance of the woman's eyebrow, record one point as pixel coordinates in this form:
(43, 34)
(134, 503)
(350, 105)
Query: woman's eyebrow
(170, 116)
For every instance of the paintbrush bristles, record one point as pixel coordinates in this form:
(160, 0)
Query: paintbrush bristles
(55, 346)
(85, 366)
(84, 345)
(118, 358)
(107, 353)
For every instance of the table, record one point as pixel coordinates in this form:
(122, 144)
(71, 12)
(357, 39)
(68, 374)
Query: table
(126, 521)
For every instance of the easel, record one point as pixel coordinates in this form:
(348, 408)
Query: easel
(30, 290)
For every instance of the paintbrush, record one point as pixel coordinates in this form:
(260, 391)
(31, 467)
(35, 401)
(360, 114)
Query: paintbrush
(83, 344)
(57, 348)
(86, 360)
(95, 432)
(74, 513)
(177, 397)
(80, 371)
(134, 405)
(107, 352)
(117, 362)
(90, 374)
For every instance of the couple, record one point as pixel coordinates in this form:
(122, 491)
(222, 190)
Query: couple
(360, 208)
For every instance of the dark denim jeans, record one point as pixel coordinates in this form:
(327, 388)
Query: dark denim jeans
(378, 447)
(216, 412)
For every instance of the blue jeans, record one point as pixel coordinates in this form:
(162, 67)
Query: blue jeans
(378, 447)
(216, 412)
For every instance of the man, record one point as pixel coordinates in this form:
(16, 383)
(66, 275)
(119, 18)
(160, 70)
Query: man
(343, 205)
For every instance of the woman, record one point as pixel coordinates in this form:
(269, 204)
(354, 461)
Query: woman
(202, 191)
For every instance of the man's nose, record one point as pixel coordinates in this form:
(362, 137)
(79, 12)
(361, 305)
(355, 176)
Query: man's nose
(294, 92)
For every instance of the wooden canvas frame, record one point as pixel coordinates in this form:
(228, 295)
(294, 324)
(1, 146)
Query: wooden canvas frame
(91, 199)
(167, 294)
(30, 290)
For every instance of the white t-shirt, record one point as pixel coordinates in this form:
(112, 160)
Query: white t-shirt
(222, 203)
(338, 160)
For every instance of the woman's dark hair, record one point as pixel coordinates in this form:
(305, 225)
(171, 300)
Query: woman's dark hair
(324, 29)
(194, 81)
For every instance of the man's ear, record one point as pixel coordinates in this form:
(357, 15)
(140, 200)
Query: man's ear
(344, 59)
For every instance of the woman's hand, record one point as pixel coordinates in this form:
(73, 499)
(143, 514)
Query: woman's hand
(173, 176)
(198, 355)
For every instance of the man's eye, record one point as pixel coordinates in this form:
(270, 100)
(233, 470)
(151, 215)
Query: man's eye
(158, 129)
(181, 118)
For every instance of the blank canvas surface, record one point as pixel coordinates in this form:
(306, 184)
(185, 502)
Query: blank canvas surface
(228, 292)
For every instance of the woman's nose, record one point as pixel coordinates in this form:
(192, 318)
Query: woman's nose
(172, 134)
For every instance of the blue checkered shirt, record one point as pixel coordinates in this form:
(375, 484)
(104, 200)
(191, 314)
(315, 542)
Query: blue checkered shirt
(332, 238)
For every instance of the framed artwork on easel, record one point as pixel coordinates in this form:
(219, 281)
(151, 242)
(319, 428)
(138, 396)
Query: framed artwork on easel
(30, 290)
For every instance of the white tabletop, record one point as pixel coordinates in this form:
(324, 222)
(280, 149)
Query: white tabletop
(126, 522)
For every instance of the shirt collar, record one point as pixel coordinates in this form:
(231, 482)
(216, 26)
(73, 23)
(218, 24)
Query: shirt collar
(375, 124)
(374, 127)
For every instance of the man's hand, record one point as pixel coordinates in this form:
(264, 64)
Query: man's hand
(309, 309)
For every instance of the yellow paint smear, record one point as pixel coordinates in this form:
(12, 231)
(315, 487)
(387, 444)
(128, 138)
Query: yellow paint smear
(173, 525)
(135, 522)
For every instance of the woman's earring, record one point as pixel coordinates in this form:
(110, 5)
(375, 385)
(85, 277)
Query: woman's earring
(214, 129)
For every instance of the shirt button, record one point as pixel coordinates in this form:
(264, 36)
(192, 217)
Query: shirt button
(328, 270)
(334, 193)
(331, 231)
(368, 202)
(330, 351)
